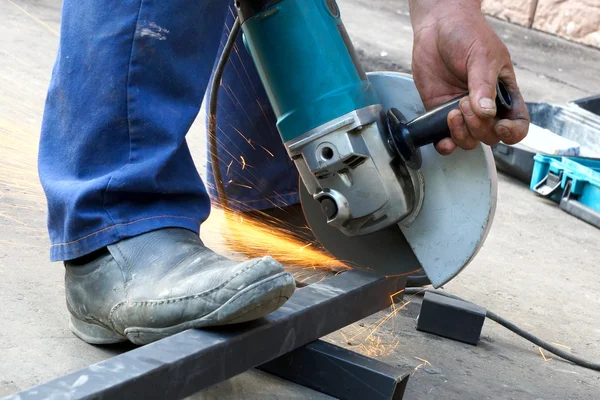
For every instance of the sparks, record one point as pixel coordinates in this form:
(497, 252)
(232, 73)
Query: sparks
(418, 367)
(543, 355)
(425, 362)
(394, 295)
(258, 236)
(36, 19)
(249, 141)
(373, 345)
(239, 184)
(268, 152)
(304, 247)
(562, 345)
(390, 315)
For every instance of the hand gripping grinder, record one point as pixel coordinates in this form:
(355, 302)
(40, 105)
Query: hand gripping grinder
(374, 191)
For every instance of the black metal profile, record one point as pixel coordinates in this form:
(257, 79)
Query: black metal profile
(188, 362)
(339, 373)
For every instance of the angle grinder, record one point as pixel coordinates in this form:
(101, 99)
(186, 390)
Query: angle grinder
(373, 189)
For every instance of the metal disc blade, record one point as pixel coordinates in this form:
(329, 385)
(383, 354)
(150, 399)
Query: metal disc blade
(385, 252)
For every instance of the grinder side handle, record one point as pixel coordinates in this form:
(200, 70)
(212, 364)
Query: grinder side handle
(432, 126)
(407, 137)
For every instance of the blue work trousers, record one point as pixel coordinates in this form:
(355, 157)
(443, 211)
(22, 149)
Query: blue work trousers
(128, 82)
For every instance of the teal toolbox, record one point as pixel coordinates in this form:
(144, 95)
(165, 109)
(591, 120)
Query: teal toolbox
(574, 183)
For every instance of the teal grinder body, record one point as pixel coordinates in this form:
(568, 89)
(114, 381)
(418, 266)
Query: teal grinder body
(306, 62)
(328, 113)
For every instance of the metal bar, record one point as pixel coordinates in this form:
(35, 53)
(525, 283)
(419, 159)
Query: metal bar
(339, 372)
(183, 364)
(581, 211)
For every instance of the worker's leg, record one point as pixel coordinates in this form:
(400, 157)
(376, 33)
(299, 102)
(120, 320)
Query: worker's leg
(257, 171)
(128, 82)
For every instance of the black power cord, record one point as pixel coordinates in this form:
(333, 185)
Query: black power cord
(212, 111)
(543, 344)
(417, 280)
(519, 331)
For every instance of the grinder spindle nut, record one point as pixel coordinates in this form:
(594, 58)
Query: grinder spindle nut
(329, 208)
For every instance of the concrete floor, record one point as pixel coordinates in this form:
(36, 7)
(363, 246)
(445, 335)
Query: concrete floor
(538, 267)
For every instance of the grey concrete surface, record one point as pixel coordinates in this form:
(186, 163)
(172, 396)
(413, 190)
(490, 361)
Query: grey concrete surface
(258, 385)
(538, 267)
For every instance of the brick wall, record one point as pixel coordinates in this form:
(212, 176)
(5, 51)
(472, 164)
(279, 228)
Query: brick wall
(577, 20)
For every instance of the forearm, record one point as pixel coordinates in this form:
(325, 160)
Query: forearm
(425, 13)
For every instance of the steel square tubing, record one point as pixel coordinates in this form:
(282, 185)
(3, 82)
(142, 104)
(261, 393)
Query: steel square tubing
(339, 372)
(186, 363)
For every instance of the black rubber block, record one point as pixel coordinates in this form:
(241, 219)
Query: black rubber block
(451, 318)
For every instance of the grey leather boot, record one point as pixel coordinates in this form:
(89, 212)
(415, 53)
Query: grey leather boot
(166, 281)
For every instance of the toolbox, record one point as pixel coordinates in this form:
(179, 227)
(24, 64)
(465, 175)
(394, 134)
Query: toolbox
(591, 103)
(571, 121)
(574, 183)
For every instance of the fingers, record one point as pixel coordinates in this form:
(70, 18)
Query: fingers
(480, 129)
(460, 133)
(479, 113)
(478, 119)
(445, 146)
(468, 129)
(482, 79)
(514, 126)
(512, 131)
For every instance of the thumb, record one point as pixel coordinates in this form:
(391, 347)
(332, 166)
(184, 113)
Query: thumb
(482, 82)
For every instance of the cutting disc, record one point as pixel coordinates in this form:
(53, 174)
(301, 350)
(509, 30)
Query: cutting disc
(459, 202)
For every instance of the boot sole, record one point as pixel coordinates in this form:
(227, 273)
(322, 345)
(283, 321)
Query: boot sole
(253, 302)
(94, 334)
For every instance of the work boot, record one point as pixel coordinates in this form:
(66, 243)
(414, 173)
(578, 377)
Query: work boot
(163, 282)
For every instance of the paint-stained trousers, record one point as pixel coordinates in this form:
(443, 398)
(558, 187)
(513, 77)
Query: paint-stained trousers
(127, 84)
